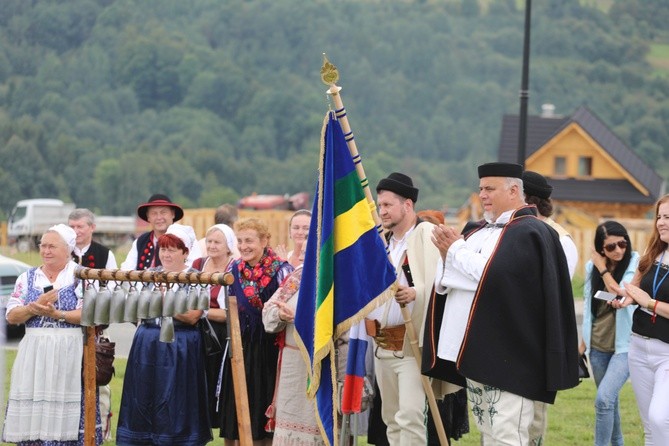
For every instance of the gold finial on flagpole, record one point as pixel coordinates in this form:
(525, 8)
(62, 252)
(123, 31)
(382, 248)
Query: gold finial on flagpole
(329, 73)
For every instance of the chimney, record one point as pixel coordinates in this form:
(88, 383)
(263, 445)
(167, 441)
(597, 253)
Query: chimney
(547, 111)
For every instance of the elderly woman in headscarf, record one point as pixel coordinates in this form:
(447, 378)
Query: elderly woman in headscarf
(164, 399)
(221, 245)
(45, 404)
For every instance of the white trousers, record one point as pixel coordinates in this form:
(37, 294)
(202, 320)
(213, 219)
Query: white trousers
(403, 406)
(649, 372)
(503, 418)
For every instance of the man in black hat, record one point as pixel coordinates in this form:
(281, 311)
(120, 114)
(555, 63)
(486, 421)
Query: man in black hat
(160, 212)
(538, 192)
(508, 322)
(414, 257)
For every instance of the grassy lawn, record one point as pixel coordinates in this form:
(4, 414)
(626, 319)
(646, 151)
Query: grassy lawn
(571, 419)
(658, 57)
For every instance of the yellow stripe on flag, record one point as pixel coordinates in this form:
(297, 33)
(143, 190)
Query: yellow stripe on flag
(324, 322)
(351, 225)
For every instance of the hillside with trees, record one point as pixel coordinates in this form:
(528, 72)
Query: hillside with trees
(103, 102)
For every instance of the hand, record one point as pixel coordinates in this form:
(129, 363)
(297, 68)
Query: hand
(38, 309)
(598, 260)
(286, 314)
(48, 297)
(281, 251)
(405, 294)
(443, 237)
(633, 294)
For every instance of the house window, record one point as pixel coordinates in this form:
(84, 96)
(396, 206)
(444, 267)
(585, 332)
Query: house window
(585, 166)
(560, 167)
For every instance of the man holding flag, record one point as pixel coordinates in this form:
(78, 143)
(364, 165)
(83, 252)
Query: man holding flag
(415, 258)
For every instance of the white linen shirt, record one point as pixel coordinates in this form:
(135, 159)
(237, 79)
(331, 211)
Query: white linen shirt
(111, 259)
(397, 249)
(459, 276)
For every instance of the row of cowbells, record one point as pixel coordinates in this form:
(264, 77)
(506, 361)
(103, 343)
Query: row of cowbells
(104, 307)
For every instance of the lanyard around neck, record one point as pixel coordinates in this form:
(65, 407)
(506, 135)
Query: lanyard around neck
(656, 284)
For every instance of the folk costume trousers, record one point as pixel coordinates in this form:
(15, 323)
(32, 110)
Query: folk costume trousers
(403, 403)
(503, 418)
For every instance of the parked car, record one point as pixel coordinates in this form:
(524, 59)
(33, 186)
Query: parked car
(10, 270)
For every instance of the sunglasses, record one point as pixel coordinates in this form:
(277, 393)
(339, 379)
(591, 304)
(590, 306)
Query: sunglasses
(622, 244)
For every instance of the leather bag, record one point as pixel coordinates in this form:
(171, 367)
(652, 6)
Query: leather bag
(583, 367)
(212, 346)
(104, 360)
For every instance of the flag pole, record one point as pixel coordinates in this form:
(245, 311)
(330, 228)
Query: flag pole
(329, 76)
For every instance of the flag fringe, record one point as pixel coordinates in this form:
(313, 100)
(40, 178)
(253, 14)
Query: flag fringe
(335, 406)
(385, 296)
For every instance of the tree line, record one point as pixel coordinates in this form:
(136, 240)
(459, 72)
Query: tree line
(103, 102)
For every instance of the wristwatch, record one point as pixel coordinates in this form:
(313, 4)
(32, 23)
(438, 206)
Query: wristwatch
(62, 317)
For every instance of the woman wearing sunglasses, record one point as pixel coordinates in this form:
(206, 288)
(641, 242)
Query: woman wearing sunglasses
(607, 331)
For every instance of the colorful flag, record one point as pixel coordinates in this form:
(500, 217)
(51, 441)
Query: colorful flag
(346, 270)
(351, 400)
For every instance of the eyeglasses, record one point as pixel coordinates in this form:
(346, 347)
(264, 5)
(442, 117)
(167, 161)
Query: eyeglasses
(622, 244)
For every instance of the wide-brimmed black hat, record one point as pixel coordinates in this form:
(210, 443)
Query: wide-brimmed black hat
(507, 170)
(535, 184)
(159, 200)
(399, 183)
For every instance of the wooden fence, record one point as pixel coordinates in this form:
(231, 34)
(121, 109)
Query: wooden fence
(277, 220)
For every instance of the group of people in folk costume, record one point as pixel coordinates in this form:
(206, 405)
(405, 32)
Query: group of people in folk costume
(492, 304)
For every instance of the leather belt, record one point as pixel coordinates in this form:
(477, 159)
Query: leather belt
(389, 338)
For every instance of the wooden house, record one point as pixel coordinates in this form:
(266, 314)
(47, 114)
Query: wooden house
(591, 169)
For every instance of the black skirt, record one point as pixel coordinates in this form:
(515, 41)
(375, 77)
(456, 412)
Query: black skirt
(260, 357)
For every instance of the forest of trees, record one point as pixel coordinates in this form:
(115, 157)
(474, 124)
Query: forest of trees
(104, 102)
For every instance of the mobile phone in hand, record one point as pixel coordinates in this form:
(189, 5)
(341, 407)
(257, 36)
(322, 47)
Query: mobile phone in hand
(48, 288)
(605, 295)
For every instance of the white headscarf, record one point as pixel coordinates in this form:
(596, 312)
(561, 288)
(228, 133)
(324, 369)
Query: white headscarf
(67, 234)
(184, 232)
(230, 237)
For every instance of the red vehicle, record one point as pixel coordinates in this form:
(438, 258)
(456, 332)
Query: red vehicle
(294, 202)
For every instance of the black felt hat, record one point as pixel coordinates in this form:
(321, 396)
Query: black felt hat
(399, 183)
(535, 184)
(508, 170)
(159, 200)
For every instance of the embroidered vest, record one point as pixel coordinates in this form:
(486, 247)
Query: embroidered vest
(146, 252)
(96, 256)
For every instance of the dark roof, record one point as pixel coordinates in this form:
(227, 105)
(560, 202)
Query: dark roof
(541, 129)
(606, 191)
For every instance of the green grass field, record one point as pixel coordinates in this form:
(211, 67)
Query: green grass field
(658, 57)
(571, 419)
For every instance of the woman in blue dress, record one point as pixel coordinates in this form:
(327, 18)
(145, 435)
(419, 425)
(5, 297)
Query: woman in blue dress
(164, 399)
